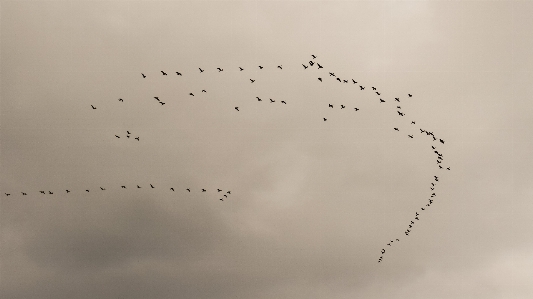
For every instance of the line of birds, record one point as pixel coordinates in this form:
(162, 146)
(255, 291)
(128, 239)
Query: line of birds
(224, 193)
(129, 135)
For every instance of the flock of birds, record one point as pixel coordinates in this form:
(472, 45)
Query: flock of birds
(224, 193)
(380, 99)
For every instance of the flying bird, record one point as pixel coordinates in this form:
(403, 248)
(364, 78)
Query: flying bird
(373, 88)
(330, 105)
(201, 71)
(319, 66)
(279, 67)
(188, 189)
(120, 100)
(305, 66)
(381, 101)
(311, 63)
(144, 76)
(356, 109)
(172, 189)
(23, 193)
(191, 94)
(229, 192)
(258, 99)
(397, 99)
(123, 187)
(157, 98)
(342, 107)
(237, 108)
(152, 186)
(117, 136)
(164, 74)
(320, 79)
(203, 90)
(138, 186)
(241, 69)
(203, 190)
(137, 138)
(252, 80)
(68, 191)
(260, 67)
(161, 105)
(93, 107)
(284, 102)
(396, 129)
(411, 136)
(272, 101)
(400, 113)
(378, 93)
(441, 141)
(354, 81)
(410, 95)
(178, 73)
(218, 190)
(339, 79)
(325, 119)
(87, 190)
(219, 69)
(313, 56)
(103, 189)
(332, 74)
(361, 87)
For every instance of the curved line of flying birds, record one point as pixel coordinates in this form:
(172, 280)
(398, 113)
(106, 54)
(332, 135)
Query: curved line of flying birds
(359, 87)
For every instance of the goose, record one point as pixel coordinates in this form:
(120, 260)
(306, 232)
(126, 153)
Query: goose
(320, 79)
(178, 73)
(164, 74)
(144, 76)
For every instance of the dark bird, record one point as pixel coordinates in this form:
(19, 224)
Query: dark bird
(413, 122)
(331, 74)
(178, 73)
(138, 186)
(164, 74)
(44, 192)
(305, 66)
(325, 119)
(162, 103)
(93, 107)
(397, 99)
(412, 222)
(128, 132)
(345, 81)
(381, 101)
(373, 88)
(237, 108)
(252, 80)
(241, 69)
(203, 190)
(432, 147)
(188, 189)
(172, 189)
(219, 69)
(7, 194)
(152, 186)
(260, 67)
(144, 76)
(421, 131)
(221, 199)
(320, 79)
(342, 107)
(157, 98)
(397, 240)
(400, 113)
(68, 191)
(410, 95)
(203, 90)
(229, 192)
(103, 189)
(389, 244)
(218, 190)
(339, 79)
(330, 105)
(356, 109)
(354, 81)
(448, 168)
(279, 67)
(123, 187)
(378, 93)
(441, 141)
(284, 102)
(361, 87)
(411, 136)
(191, 94)
(120, 100)
(313, 56)
(417, 218)
(432, 184)
(258, 99)
(272, 101)
(311, 63)
(201, 71)
(422, 209)
(396, 129)
(398, 107)
(225, 196)
(416, 214)
(440, 167)
(319, 66)
(23, 193)
(117, 136)
(137, 138)
(87, 190)
(436, 178)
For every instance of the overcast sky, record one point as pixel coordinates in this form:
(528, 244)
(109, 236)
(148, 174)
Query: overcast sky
(312, 202)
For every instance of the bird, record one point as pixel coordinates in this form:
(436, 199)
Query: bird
(342, 107)
(172, 189)
(279, 67)
(138, 186)
(373, 88)
(416, 214)
(162, 103)
(305, 66)
(68, 191)
(378, 93)
(123, 187)
(164, 74)
(422, 209)
(389, 244)
(320, 79)
(410, 136)
(319, 66)
(188, 189)
(137, 138)
(260, 67)
(381, 101)
(272, 101)
(201, 71)
(50, 192)
(417, 218)
(311, 63)
(191, 94)
(87, 190)
(332, 74)
(225, 196)
(432, 147)
(396, 129)
(313, 56)
(410, 95)
(413, 122)
(400, 113)
(361, 87)
(203, 190)
(440, 167)
(23, 193)
(203, 90)
(221, 199)
(157, 98)
(117, 136)
(42, 192)
(354, 81)
(144, 76)
(219, 69)
(448, 168)
(252, 80)
(330, 105)
(397, 240)
(103, 189)
(93, 107)
(218, 190)
(412, 222)
(128, 132)
(229, 192)
(356, 109)
(284, 102)
(241, 69)
(345, 81)
(120, 100)
(258, 99)
(398, 107)
(178, 73)
(397, 99)
(339, 79)
(152, 186)
(441, 141)
(325, 119)
(237, 108)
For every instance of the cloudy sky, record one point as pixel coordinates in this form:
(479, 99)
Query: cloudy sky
(312, 202)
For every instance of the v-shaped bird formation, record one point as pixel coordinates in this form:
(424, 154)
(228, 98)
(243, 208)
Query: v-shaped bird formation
(382, 101)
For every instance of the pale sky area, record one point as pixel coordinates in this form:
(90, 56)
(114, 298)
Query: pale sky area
(312, 203)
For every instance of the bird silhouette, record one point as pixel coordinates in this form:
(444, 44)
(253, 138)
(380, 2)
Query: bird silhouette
(172, 189)
(272, 101)
(373, 88)
(164, 74)
(311, 63)
(137, 138)
(203, 190)
(354, 81)
(237, 108)
(152, 186)
(103, 189)
(413, 122)
(400, 113)
(320, 79)
(138, 187)
(93, 107)
(342, 107)
(218, 190)
(42, 192)
(410, 95)
(313, 56)
(188, 189)
(87, 190)
(330, 105)
(441, 141)
(162, 103)
(396, 129)
(332, 74)
(201, 71)
(117, 136)
(241, 69)
(144, 76)
(378, 93)
(120, 100)
(325, 119)
(284, 102)
(319, 66)
(411, 136)
(23, 193)
(361, 87)
(258, 99)
(221, 199)
(157, 98)
(397, 99)
(345, 81)
(178, 73)
(260, 67)
(356, 109)
(50, 192)
(381, 101)
(339, 79)
(123, 187)
(229, 192)
(305, 66)
(252, 80)
(68, 191)
(128, 132)
(219, 69)
(398, 107)
(203, 90)
(225, 196)
(279, 67)
(448, 168)
(191, 94)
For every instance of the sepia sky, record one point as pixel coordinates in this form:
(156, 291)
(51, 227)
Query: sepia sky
(312, 202)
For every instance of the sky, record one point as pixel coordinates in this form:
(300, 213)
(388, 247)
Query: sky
(312, 202)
